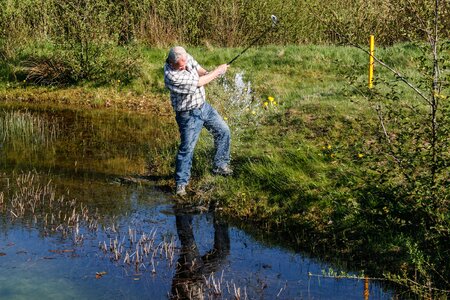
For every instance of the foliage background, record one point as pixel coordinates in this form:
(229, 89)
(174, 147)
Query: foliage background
(227, 23)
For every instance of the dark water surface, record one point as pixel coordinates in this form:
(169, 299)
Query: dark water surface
(183, 251)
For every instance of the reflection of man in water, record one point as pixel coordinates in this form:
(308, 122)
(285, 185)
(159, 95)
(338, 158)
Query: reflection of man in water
(191, 267)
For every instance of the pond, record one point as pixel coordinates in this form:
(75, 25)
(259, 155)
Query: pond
(71, 229)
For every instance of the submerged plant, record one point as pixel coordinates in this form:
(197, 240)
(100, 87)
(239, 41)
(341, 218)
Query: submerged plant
(28, 198)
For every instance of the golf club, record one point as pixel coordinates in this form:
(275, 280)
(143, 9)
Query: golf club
(274, 23)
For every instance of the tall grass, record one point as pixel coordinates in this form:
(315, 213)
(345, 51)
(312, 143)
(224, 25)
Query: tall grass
(220, 23)
(22, 129)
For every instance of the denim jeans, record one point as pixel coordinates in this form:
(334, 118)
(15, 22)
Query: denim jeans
(190, 124)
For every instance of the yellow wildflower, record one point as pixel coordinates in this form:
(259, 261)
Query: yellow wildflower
(266, 103)
(253, 112)
(274, 102)
(225, 118)
(270, 98)
(329, 147)
(360, 155)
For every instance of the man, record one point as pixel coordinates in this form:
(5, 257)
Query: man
(185, 79)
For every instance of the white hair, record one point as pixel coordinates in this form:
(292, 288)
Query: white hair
(175, 54)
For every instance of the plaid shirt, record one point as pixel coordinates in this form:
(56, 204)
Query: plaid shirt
(184, 92)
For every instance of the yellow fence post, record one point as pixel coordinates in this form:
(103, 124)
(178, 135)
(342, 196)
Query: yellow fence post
(366, 288)
(371, 60)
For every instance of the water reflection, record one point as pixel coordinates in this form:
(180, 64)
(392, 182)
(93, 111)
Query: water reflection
(99, 142)
(191, 267)
(203, 244)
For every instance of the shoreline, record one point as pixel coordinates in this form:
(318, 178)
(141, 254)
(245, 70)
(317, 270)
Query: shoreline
(80, 98)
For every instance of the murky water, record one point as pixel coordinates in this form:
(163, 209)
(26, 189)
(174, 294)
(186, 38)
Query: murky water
(100, 239)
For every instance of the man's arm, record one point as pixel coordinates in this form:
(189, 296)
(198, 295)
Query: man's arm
(208, 77)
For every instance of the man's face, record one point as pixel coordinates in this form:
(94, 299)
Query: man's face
(181, 64)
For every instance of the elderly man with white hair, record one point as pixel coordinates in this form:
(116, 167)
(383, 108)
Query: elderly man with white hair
(185, 79)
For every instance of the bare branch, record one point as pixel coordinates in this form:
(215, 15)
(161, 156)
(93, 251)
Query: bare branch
(388, 139)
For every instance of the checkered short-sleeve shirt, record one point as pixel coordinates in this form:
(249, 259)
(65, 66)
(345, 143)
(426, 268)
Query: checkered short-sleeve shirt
(184, 92)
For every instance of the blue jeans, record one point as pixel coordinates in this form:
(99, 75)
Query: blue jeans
(190, 124)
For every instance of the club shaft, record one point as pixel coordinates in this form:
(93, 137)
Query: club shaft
(248, 47)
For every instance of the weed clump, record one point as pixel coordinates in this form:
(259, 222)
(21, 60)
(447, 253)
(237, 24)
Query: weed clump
(48, 71)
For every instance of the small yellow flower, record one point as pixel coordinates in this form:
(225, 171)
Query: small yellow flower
(225, 118)
(270, 98)
(437, 95)
(266, 103)
(329, 147)
(118, 81)
(360, 155)
(253, 112)
(274, 102)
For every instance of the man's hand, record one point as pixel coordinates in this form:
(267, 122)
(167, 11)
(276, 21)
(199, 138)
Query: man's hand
(222, 69)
